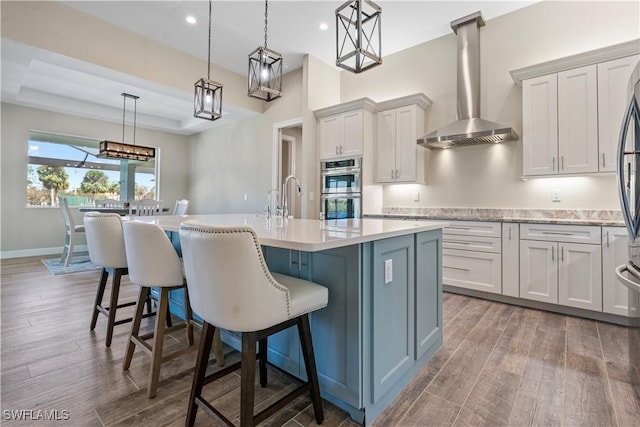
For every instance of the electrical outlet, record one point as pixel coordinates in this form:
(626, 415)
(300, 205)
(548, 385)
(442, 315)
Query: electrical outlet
(555, 195)
(311, 195)
(245, 196)
(416, 197)
(388, 271)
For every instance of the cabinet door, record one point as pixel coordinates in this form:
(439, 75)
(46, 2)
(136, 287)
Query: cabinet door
(386, 146)
(613, 77)
(510, 259)
(580, 276)
(336, 328)
(352, 137)
(428, 301)
(406, 146)
(540, 125)
(578, 120)
(539, 270)
(330, 136)
(616, 298)
(392, 312)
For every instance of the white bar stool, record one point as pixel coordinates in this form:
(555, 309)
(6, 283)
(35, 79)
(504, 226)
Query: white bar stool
(154, 262)
(232, 288)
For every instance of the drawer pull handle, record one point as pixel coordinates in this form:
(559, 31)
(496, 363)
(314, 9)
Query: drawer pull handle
(560, 233)
(459, 228)
(461, 242)
(456, 268)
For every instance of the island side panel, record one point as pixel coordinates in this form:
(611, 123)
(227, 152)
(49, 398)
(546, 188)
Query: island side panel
(428, 302)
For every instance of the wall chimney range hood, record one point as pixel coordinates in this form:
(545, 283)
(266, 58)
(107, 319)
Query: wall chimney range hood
(469, 129)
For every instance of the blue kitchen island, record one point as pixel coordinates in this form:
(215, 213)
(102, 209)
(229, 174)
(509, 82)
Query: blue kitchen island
(383, 321)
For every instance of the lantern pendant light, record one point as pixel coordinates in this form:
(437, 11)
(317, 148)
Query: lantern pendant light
(207, 100)
(358, 35)
(265, 69)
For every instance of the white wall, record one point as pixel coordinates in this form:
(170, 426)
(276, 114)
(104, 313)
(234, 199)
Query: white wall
(489, 175)
(41, 229)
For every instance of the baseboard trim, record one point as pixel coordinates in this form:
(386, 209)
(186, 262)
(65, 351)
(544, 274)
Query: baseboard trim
(23, 253)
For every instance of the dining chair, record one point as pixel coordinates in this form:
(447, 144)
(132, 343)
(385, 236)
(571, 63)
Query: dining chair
(71, 230)
(145, 207)
(154, 262)
(232, 288)
(181, 207)
(110, 203)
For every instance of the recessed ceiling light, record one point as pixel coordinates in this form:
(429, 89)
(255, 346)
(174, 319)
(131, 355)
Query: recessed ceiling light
(324, 26)
(191, 19)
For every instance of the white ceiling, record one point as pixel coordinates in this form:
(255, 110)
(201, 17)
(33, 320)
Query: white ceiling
(42, 79)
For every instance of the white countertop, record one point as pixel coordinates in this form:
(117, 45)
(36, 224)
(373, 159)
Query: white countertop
(308, 235)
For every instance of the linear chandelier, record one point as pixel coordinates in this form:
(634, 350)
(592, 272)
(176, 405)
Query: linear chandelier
(265, 69)
(207, 99)
(122, 150)
(358, 35)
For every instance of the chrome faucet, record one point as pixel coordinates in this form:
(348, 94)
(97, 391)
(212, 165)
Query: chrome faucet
(272, 202)
(283, 201)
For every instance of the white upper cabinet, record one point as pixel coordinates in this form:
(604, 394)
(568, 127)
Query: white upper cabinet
(613, 77)
(540, 125)
(398, 157)
(345, 130)
(578, 120)
(572, 109)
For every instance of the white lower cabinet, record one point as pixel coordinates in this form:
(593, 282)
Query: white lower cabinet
(555, 270)
(471, 256)
(616, 298)
(510, 259)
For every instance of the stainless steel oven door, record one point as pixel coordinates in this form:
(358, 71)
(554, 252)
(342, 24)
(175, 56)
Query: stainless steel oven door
(341, 181)
(340, 206)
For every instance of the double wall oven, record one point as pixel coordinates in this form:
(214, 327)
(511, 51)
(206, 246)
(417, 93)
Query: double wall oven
(341, 188)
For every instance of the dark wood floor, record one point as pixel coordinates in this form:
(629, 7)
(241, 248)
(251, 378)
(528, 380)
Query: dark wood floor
(499, 365)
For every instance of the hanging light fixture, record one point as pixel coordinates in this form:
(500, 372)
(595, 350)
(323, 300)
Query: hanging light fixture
(121, 150)
(265, 69)
(207, 100)
(358, 35)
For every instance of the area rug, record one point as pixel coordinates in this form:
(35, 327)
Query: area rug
(78, 263)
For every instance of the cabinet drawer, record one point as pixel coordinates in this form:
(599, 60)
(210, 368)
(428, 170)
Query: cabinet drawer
(561, 233)
(473, 228)
(472, 243)
(480, 271)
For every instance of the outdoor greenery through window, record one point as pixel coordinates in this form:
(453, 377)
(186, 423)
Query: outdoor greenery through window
(66, 166)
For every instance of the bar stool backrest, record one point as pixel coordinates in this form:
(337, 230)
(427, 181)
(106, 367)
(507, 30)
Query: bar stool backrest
(152, 259)
(228, 280)
(105, 239)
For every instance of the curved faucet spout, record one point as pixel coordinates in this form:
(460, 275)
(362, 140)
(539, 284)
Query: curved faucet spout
(284, 201)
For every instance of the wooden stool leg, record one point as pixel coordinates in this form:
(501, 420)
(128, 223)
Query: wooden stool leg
(135, 326)
(217, 345)
(99, 295)
(168, 316)
(247, 378)
(158, 343)
(113, 306)
(262, 355)
(188, 316)
(201, 369)
(304, 331)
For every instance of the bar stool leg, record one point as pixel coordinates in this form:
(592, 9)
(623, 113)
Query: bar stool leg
(206, 340)
(247, 378)
(188, 316)
(113, 307)
(99, 295)
(262, 356)
(217, 346)
(135, 327)
(158, 342)
(304, 330)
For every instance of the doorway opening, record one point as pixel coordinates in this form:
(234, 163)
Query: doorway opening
(287, 160)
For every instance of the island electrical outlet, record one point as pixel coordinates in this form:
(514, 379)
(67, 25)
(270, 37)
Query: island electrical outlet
(388, 271)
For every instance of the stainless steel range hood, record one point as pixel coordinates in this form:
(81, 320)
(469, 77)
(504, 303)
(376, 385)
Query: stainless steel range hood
(470, 129)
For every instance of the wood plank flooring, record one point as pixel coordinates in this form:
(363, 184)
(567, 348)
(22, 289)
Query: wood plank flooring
(500, 365)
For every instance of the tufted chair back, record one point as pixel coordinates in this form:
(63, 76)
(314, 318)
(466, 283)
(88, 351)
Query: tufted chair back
(152, 259)
(105, 239)
(228, 280)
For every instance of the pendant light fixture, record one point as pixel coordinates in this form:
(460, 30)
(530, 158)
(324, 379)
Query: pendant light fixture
(265, 69)
(121, 150)
(358, 35)
(207, 100)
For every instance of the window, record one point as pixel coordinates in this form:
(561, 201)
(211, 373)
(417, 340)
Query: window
(61, 165)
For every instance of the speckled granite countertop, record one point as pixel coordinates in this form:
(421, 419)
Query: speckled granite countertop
(540, 216)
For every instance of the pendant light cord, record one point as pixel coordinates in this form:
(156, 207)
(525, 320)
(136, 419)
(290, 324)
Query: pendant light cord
(209, 51)
(265, 22)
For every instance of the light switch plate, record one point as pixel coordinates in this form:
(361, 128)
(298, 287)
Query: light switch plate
(555, 195)
(388, 271)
